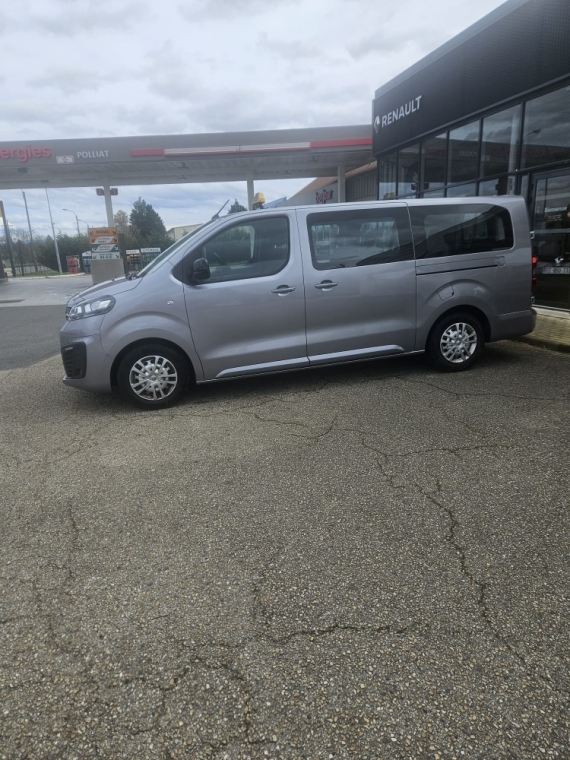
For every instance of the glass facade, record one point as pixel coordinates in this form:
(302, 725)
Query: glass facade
(462, 191)
(434, 163)
(488, 156)
(464, 152)
(387, 177)
(409, 170)
(498, 186)
(523, 149)
(499, 144)
(546, 136)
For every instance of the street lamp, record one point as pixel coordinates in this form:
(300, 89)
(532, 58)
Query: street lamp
(86, 224)
(76, 218)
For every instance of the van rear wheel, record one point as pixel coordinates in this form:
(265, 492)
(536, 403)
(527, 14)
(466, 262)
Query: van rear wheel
(456, 342)
(153, 376)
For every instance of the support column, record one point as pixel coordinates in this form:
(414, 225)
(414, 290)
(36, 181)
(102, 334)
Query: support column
(31, 236)
(341, 184)
(108, 202)
(250, 191)
(107, 269)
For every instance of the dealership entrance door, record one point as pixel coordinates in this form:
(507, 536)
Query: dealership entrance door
(550, 211)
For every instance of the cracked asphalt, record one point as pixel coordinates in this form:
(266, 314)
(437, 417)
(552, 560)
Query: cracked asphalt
(368, 561)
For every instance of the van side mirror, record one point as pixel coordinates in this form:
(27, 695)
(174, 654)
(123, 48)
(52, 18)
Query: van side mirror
(200, 270)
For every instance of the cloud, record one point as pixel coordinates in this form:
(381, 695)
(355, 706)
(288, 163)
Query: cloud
(290, 50)
(387, 41)
(169, 75)
(33, 111)
(378, 43)
(68, 80)
(151, 120)
(251, 108)
(82, 16)
(197, 10)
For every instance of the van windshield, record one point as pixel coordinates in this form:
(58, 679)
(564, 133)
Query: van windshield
(169, 251)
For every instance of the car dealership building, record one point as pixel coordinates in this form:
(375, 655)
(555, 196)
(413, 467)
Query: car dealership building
(488, 113)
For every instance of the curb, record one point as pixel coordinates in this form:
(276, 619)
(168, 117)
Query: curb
(541, 343)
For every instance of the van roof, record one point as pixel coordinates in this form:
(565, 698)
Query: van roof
(483, 199)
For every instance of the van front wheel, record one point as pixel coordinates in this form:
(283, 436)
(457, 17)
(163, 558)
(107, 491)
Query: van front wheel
(455, 343)
(153, 376)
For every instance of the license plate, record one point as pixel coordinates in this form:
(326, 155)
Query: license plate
(554, 270)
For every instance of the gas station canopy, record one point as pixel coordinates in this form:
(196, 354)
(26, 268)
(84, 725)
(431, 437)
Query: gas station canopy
(170, 159)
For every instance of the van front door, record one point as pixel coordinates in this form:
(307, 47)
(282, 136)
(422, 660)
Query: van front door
(249, 316)
(360, 282)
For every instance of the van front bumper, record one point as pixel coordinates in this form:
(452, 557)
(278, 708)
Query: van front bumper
(85, 363)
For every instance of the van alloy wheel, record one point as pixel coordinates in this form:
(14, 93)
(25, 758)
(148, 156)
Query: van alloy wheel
(458, 342)
(153, 376)
(455, 342)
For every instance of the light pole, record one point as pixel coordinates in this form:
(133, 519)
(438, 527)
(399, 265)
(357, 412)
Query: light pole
(54, 236)
(86, 224)
(75, 215)
(8, 241)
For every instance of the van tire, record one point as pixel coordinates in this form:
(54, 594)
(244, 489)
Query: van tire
(456, 342)
(153, 376)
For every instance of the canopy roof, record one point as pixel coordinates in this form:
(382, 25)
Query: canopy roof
(168, 159)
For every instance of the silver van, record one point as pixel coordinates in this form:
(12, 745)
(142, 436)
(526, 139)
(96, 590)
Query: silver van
(281, 289)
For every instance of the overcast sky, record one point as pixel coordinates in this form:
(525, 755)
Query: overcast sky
(90, 68)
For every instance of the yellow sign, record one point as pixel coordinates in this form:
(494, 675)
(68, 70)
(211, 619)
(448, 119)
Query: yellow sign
(96, 231)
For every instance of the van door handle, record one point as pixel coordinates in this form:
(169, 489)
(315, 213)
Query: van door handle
(326, 285)
(282, 290)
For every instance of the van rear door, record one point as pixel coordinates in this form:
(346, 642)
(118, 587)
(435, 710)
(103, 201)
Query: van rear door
(360, 282)
(462, 251)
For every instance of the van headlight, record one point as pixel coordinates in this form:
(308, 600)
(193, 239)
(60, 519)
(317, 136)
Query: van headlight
(91, 308)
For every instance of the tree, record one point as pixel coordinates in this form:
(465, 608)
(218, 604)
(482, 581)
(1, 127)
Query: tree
(145, 221)
(236, 207)
(146, 228)
(69, 245)
(121, 219)
(22, 248)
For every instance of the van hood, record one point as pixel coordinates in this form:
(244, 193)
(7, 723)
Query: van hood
(108, 288)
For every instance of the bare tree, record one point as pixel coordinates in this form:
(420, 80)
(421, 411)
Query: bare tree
(121, 219)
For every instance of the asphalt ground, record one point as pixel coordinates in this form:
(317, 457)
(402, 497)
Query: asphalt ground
(28, 335)
(368, 561)
(32, 310)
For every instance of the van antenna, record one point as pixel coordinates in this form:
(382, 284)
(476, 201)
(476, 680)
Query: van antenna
(217, 215)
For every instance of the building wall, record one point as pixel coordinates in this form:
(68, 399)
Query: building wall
(519, 48)
(178, 232)
(360, 186)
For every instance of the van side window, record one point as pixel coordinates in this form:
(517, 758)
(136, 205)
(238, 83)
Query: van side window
(357, 238)
(255, 248)
(458, 230)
